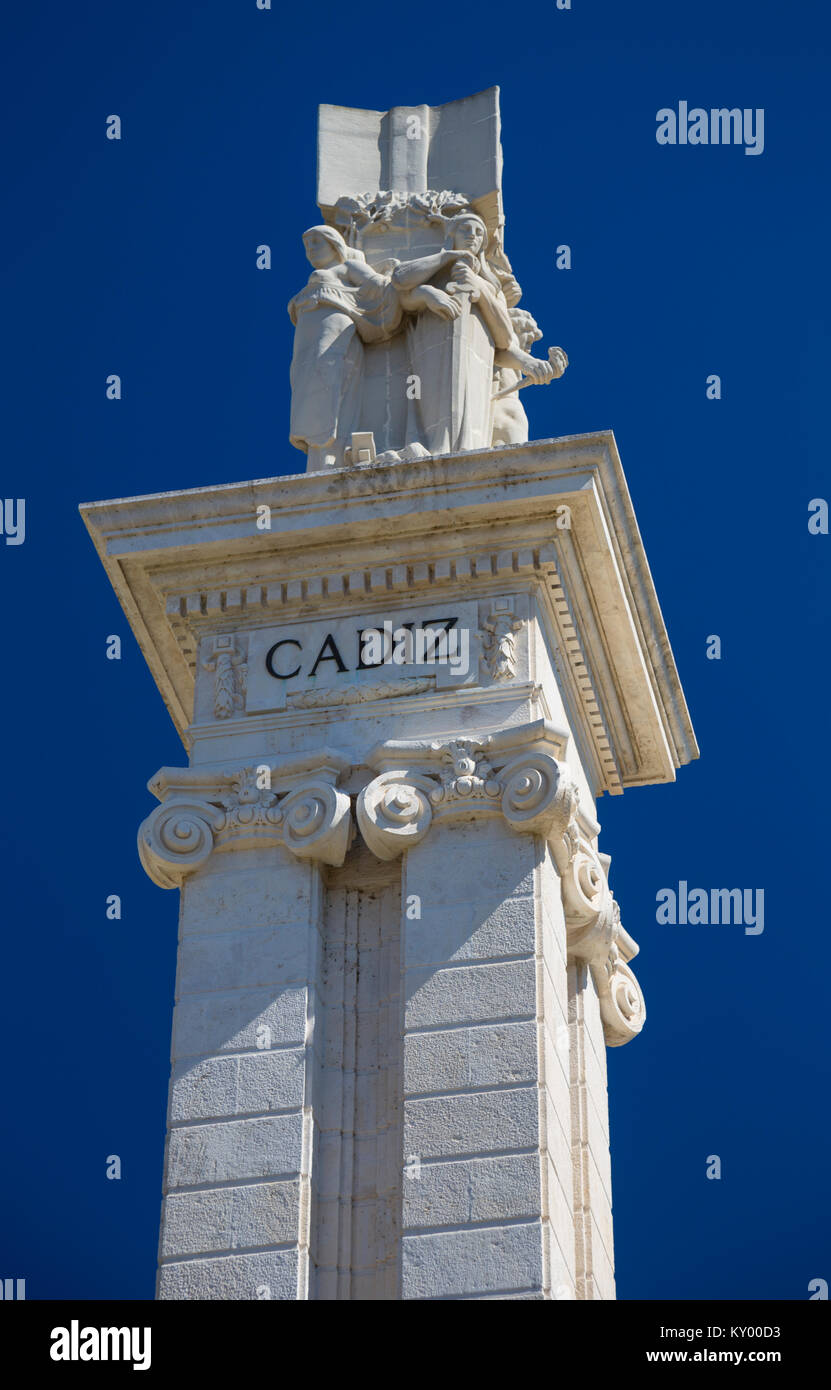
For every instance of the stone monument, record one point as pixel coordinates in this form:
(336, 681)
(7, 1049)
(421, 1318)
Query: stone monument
(403, 679)
(409, 320)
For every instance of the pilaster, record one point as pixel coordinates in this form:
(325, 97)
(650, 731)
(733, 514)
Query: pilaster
(503, 898)
(400, 961)
(246, 1075)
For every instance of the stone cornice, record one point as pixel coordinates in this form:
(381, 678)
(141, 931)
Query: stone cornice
(183, 563)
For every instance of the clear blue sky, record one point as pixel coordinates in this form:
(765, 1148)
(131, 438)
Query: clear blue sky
(138, 258)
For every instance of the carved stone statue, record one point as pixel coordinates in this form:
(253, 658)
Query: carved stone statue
(344, 302)
(462, 327)
(510, 423)
(407, 332)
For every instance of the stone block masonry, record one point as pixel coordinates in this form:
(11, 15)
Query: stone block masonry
(400, 961)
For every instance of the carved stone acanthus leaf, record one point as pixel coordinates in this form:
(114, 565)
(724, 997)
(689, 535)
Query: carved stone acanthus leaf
(466, 772)
(230, 679)
(313, 821)
(498, 636)
(247, 805)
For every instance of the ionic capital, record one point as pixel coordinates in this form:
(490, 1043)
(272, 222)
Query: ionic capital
(595, 934)
(622, 1006)
(294, 803)
(515, 774)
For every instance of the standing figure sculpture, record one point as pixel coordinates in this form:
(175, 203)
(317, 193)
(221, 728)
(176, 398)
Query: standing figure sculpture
(462, 328)
(344, 303)
(509, 421)
(459, 342)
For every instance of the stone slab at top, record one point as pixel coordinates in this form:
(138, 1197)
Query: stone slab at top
(185, 564)
(361, 151)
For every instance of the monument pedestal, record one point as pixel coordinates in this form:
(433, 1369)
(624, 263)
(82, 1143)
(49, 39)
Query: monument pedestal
(400, 961)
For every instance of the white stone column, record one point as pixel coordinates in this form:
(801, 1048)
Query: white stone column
(605, 1009)
(479, 1120)
(245, 1083)
(592, 1168)
(427, 1116)
(498, 889)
